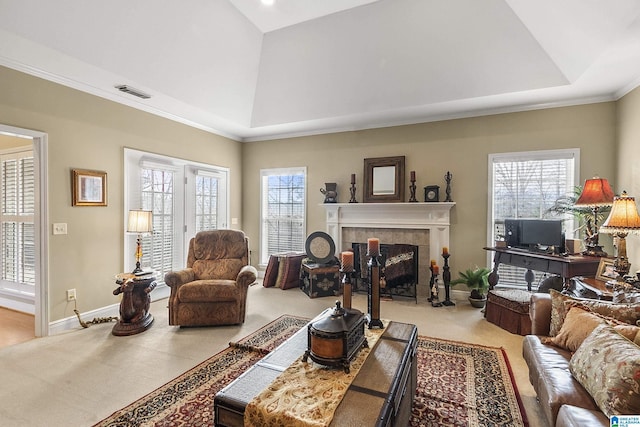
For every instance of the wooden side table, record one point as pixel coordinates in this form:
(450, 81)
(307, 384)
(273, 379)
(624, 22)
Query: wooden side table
(134, 307)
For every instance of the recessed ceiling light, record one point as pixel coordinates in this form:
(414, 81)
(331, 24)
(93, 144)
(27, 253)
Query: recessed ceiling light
(268, 2)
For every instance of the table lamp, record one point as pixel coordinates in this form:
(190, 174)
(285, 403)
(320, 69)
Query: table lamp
(139, 222)
(596, 193)
(623, 219)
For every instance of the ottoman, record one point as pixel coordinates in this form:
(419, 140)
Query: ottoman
(509, 309)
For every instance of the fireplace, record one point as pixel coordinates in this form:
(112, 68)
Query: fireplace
(425, 225)
(400, 263)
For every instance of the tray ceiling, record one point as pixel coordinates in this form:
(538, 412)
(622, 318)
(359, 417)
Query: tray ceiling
(250, 72)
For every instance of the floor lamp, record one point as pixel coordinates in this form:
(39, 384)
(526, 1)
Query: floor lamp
(140, 222)
(596, 193)
(623, 219)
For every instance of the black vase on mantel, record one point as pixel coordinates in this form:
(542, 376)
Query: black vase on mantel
(330, 192)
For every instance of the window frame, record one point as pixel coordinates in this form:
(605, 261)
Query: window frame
(540, 155)
(26, 289)
(264, 174)
(184, 193)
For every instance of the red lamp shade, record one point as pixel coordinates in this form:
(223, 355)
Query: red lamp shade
(596, 192)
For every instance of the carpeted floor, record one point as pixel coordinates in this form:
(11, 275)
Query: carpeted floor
(458, 384)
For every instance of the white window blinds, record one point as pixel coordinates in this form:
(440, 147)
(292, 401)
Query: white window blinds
(283, 211)
(525, 185)
(17, 222)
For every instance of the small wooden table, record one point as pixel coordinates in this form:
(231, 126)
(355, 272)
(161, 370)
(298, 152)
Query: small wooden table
(134, 307)
(564, 266)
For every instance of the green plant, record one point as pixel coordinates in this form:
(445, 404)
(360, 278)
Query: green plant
(566, 205)
(476, 279)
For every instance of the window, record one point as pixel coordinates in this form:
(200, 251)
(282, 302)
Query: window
(283, 211)
(185, 197)
(525, 185)
(17, 223)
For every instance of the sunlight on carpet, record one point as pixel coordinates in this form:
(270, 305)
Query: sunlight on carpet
(458, 384)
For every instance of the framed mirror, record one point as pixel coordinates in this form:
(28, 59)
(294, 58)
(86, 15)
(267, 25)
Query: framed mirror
(384, 179)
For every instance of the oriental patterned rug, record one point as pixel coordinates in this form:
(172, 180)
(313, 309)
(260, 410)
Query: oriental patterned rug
(459, 384)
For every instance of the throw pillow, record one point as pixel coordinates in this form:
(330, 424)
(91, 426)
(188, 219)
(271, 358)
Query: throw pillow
(627, 313)
(608, 367)
(577, 326)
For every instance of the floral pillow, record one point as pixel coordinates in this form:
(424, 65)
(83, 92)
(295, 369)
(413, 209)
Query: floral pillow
(627, 313)
(608, 367)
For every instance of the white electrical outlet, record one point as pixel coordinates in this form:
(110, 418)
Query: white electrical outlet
(71, 294)
(60, 228)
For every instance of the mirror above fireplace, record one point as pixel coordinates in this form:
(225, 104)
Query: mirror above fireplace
(384, 179)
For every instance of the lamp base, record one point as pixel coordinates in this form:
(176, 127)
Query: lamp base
(594, 251)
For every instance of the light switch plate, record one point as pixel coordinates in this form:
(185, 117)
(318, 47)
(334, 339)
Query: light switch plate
(60, 228)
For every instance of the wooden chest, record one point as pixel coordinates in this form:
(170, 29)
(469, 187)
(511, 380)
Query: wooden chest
(380, 395)
(320, 280)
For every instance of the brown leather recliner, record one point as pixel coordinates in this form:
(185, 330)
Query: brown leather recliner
(212, 290)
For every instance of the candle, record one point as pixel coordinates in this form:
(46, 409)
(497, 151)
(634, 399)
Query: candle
(413, 176)
(433, 262)
(347, 261)
(353, 178)
(435, 270)
(445, 251)
(373, 246)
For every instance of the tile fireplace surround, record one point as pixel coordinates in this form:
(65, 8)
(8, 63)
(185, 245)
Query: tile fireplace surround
(425, 225)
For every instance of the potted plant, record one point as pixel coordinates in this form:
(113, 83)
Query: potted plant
(477, 280)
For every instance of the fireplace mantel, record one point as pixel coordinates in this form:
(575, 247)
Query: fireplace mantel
(432, 216)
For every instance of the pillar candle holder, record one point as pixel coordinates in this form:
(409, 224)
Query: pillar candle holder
(446, 278)
(347, 282)
(447, 177)
(373, 294)
(412, 191)
(353, 193)
(433, 288)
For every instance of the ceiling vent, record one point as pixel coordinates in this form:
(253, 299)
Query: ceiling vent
(132, 91)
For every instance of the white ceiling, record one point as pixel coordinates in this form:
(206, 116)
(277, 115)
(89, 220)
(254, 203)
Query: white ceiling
(250, 72)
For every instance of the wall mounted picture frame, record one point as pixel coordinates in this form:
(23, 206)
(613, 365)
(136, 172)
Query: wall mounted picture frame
(384, 179)
(88, 187)
(606, 270)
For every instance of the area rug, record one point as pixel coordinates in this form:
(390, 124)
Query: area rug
(459, 384)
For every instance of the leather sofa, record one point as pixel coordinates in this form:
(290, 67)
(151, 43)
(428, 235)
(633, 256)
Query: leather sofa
(563, 400)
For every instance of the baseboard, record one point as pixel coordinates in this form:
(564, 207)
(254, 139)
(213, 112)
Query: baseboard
(71, 323)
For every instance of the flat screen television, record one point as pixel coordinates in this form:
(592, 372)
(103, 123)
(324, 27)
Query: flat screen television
(534, 233)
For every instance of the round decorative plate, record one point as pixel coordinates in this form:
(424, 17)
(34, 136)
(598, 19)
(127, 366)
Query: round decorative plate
(320, 247)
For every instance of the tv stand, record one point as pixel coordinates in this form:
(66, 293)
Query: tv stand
(565, 266)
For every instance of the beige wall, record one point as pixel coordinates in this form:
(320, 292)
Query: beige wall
(431, 149)
(88, 132)
(628, 161)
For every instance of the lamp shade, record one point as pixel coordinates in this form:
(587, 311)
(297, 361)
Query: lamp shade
(596, 192)
(623, 217)
(140, 221)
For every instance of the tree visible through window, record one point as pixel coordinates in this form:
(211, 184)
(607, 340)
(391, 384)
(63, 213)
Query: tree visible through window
(283, 211)
(525, 185)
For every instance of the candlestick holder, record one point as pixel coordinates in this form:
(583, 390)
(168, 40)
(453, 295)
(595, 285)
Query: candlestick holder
(353, 193)
(433, 288)
(412, 191)
(347, 286)
(373, 294)
(447, 177)
(446, 278)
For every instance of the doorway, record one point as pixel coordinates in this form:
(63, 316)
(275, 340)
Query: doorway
(34, 299)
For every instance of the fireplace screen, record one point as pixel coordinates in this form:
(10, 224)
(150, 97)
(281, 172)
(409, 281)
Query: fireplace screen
(400, 269)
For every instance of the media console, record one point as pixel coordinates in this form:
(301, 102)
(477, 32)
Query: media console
(565, 266)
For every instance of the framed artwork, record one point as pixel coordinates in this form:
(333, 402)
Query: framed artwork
(88, 188)
(384, 179)
(606, 270)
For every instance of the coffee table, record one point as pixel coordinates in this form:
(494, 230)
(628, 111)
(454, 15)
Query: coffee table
(380, 395)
